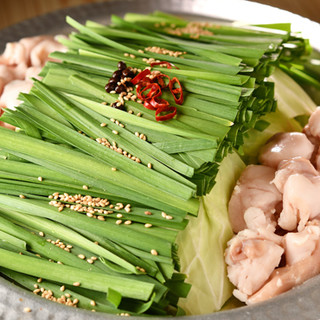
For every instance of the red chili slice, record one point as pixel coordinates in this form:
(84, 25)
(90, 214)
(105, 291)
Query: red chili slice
(140, 76)
(176, 92)
(160, 81)
(159, 103)
(171, 112)
(154, 91)
(147, 104)
(168, 64)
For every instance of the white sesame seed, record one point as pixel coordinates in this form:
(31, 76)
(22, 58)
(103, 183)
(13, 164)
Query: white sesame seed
(40, 178)
(119, 215)
(154, 252)
(128, 222)
(27, 309)
(148, 225)
(103, 124)
(81, 256)
(114, 169)
(76, 284)
(148, 213)
(149, 165)
(118, 222)
(90, 261)
(41, 234)
(85, 187)
(62, 288)
(22, 196)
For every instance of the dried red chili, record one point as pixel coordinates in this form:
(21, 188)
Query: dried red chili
(140, 76)
(159, 103)
(154, 90)
(170, 113)
(147, 104)
(148, 90)
(176, 92)
(168, 64)
(159, 79)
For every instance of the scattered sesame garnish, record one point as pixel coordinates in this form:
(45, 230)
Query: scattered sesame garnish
(118, 222)
(140, 269)
(41, 234)
(62, 288)
(103, 124)
(128, 222)
(148, 213)
(27, 309)
(81, 256)
(22, 196)
(84, 187)
(76, 284)
(154, 252)
(114, 169)
(148, 225)
(40, 178)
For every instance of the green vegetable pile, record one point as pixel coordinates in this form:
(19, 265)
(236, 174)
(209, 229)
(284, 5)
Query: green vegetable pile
(108, 238)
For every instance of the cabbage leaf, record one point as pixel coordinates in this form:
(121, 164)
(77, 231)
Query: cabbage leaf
(202, 244)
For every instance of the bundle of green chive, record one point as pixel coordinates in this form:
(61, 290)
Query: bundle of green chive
(122, 258)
